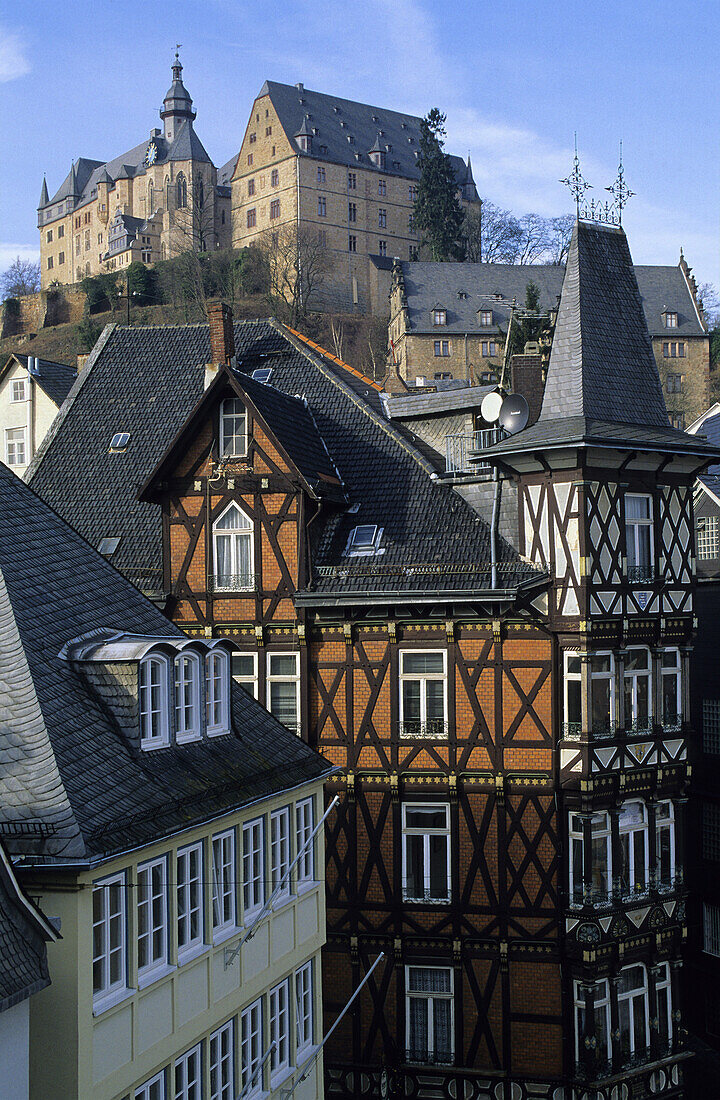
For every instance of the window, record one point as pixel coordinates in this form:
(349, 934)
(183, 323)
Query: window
(364, 540)
(61, 231)
(677, 420)
(711, 726)
(320, 174)
(251, 218)
(439, 317)
(250, 160)
(154, 1089)
(108, 546)
(382, 187)
(216, 693)
(49, 236)
(663, 994)
(18, 389)
(154, 726)
(413, 252)
(181, 191)
(251, 1052)
(488, 348)
(233, 428)
(411, 222)
(674, 350)
(423, 691)
(274, 177)
(189, 901)
(253, 865)
(633, 1011)
(600, 887)
(222, 1063)
(322, 206)
(251, 188)
(252, 138)
(152, 919)
(412, 193)
(304, 826)
(711, 831)
(280, 852)
(304, 1003)
(187, 697)
(283, 689)
(429, 1010)
(382, 218)
(274, 209)
(244, 672)
(322, 238)
(665, 844)
(352, 181)
(633, 848)
(711, 929)
(442, 348)
(671, 681)
(61, 258)
(188, 1075)
(268, 131)
(426, 853)
(485, 318)
(352, 243)
(639, 537)
(673, 383)
(119, 441)
(109, 939)
(50, 261)
(382, 248)
(279, 1003)
(671, 319)
(636, 679)
(601, 1012)
(223, 881)
(352, 211)
(234, 556)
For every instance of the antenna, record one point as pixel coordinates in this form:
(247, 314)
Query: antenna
(514, 413)
(490, 406)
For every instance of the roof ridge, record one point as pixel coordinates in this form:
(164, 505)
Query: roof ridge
(340, 362)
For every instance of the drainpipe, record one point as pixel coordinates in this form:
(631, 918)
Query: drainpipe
(494, 527)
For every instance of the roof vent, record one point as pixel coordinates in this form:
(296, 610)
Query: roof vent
(403, 125)
(375, 118)
(300, 87)
(336, 109)
(119, 441)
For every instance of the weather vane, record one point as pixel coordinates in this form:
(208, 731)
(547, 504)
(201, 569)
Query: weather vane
(576, 182)
(620, 191)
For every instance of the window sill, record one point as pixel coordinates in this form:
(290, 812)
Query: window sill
(222, 935)
(150, 746)
(306, 887)
(218, 732)
(186, 738)
(107, 1001)
(281, 902)
(189, 954)
(154, 975)
(280, 1076)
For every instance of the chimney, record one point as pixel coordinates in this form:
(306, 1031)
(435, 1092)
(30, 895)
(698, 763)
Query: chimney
(526, 377)
(222, 339)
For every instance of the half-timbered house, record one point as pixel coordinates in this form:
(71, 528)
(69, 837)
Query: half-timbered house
(509, 711)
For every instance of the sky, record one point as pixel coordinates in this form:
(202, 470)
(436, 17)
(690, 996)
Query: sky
(516, 79)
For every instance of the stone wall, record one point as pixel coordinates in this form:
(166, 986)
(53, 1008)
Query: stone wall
(33, 312)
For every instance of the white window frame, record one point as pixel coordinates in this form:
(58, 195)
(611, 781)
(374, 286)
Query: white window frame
(423, 678)
(187, 705)
(221, 1078)
(230, 415)
(18, 390)
(109, 992)
(429, 998)
(665, 822)
(304, 1009)
(600, 835)
(671, 319)
(601, 1005)
(671, 672)
(16, 446)
(426, 832)
(711, 929)
(485, 318)
(217, 692)
(632, 536)
(251, 1049)
(663, 985)
(631, 677)
(187, 1074)
(248, 681)
(144, 1091)
(280, 853)
(708, 537)
(157, 965)
(274, 678)
(628, 998)
(235, 580)
(224, 893)
(154, 712)
(439, 317)
(279, 1033)
(304, 826)
(632, 830)
(253, 863)
(189, 901)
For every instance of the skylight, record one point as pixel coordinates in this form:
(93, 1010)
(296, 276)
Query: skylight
(262, 374)
(119, 441)
(364, 540)
(108, 546)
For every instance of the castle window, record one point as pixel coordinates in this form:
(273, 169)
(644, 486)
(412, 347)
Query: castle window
(250, 160)
(382, 248)
(442, 348)
(187, 697)
(154, 725)
(382, 218)
(413, 252)
(671, 319)
(222, 218)
(423, 694)
(49, 263)
(321, 174)
(109, 940)
(200, 193)
(708, 537)
(152, 920)
(352, 243)
(322, 206)
(638, 701)
(485, 318)
(677, 420)
(49, 236)
(488, 348)
(233, 428)
(217, 688)
(268, 131)
(638, 536)
(252, 138)
(411, 222)
(274, 177)
(426, 853)
(352, 212)
(439, 317)
(673, 349)
(61, 231)
(181, 188)
(673, 383)
(382, 187)
(274, 209)
(412, 193)
(283, 689)
(429, 1014)
(251, 218)
(352, 181)
(633, 870)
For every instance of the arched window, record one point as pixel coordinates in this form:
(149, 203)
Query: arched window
(187, 697)
(233, 538)
(217, 692)
(233, 428)
(154, 725)
(181, 191)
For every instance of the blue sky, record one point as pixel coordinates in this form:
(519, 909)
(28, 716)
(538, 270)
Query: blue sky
(516, 79)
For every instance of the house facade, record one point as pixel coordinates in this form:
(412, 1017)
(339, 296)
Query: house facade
(151, 203)
(31, 392)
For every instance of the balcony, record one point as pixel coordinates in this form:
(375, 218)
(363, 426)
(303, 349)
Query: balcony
(640, 574)
(231, 582)
(459, 448)
(638, 727)
(429, 1057)
(432, 729)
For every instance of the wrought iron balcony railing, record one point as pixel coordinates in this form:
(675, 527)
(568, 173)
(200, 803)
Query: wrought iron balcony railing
(640, 574)
(425, 896)
(572, 731)
(429, 1057)
(231, 582)
(431, 729)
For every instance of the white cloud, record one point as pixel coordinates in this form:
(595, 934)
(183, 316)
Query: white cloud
(13, 62)
(10, 252)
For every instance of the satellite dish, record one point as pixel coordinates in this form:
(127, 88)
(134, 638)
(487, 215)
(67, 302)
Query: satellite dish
(490, 406)
(514, 413)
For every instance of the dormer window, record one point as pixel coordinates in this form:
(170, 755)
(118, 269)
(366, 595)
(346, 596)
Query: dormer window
(439, 317)
(485, 318)
(233, 428)
(671, 319)
(154, 725)
(233, 538)
(217, 692)
(364, 540)
(187, 697)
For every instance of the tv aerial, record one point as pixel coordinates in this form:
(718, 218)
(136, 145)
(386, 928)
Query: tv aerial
(510, 412)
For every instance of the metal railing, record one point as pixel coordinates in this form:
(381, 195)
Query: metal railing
(459, 448)
(640, 574)
(429, 1058)
(231, 582)
(431, 728)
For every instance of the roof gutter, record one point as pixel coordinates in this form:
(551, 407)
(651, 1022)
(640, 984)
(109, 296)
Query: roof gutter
(385, 597)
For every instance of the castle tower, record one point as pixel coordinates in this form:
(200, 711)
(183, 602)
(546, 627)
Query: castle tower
(177, 105)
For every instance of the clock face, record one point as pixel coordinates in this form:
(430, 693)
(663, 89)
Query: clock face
(151, 155)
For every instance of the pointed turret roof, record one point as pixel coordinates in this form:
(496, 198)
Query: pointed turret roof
(177, 98)
(44, 199)
(304, 130)
(377, 147)
(73, 185)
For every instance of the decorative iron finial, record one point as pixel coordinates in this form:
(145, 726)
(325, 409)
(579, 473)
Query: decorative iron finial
(620, 191)
(177, 67)
(576, 182)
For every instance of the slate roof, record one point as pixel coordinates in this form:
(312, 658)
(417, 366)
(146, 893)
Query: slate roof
(336, 119)
(23, 934)
(428, 285)
(69, 775)
(55, 379)
(147, 381)
(708, 426)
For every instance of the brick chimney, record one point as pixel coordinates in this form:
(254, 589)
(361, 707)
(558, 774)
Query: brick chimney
(222, 338)
(526, 377)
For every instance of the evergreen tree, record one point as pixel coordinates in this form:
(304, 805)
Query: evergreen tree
(438, 212)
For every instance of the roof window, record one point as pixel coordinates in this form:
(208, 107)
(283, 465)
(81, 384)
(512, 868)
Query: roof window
(108, 546)
(670, 318)
(119, 441)
(485, 317)
(262, 374)
(364, 540)
(439, 317)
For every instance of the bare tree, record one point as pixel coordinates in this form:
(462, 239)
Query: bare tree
(501, 237)
(559, 234)
(336, 331)
(22, 277)
(298, 262)
(192, 232)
